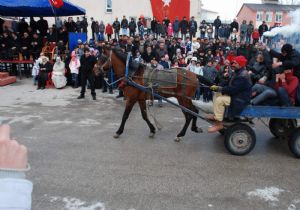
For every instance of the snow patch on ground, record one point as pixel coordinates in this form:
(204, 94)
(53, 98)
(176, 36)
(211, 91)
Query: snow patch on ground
(266, 194)
(23, 119)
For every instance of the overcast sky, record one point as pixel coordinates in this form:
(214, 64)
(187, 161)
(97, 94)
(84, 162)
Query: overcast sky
(227, 9)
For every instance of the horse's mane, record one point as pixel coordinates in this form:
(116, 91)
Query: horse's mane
(120, 54)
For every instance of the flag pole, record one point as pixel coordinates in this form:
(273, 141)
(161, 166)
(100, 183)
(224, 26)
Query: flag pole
(56, 33)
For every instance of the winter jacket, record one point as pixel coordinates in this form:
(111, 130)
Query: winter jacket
(87, 64)
(250, 29)
(184, 26)
(176, 26)
(116, 25)
(193, 26)
(109, 30)
(132, 26)
(217, 23)
(239, 89)
(262, 28)
(233, 25)
(243, 29)
(290, 86)
(124, 23)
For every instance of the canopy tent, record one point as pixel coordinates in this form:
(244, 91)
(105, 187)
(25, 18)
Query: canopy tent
(37, 8)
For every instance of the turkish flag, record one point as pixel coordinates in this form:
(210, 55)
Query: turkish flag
(57, 3)
(171, 9)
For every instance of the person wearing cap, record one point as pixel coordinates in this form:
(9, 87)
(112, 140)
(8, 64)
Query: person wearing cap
(87, 62)
(191, 67)
(45, 68)
(236, 95)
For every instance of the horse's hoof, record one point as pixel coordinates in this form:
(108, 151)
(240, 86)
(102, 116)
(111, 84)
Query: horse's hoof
(151, 135)
(116, 136)
(178, 139)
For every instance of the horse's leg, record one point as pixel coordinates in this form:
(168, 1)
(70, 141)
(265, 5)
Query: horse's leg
(194, 121)
(129, 106)
(142, 104)
(188, 118)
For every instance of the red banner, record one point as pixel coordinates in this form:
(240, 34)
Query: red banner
(57, 3)
(171, 9)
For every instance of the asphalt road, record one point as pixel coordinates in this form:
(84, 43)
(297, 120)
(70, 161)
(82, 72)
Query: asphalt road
(76, 163)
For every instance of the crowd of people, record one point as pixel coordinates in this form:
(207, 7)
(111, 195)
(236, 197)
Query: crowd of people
(205, 49)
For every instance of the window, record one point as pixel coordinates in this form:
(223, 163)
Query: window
(259, 16)
(269, 17)
(109, 6)
(278, 17)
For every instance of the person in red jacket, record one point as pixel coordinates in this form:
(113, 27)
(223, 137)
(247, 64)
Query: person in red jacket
(109, 31)
(286, 85)
(255, 36)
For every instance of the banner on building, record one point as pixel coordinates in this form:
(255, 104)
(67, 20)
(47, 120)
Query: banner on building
(171, 9)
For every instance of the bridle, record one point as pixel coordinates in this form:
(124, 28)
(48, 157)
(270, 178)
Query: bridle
(108, 62)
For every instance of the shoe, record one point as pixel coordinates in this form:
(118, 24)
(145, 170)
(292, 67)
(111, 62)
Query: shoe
(111, 92)
(38, 88)
(43, 88)
(94, 98)
(119, 96)
(104, 91)
(80, 97)
(216, 127)
(160, 105)
(76, 86)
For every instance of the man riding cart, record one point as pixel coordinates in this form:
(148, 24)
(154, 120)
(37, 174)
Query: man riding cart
(236, 95)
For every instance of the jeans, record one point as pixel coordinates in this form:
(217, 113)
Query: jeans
(124, 31)
(198, 93)
(284, 97)
(35, 80)
(117, 35)
(207, 94)
(202, 36)
(75, 79)
(262, 94)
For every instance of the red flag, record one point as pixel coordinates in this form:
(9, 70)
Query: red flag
(171, 9)
(57, 3)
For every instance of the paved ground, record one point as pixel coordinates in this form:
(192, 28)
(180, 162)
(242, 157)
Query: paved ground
(76, 164)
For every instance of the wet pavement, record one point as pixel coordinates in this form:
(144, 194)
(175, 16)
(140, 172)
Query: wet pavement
(77, 164)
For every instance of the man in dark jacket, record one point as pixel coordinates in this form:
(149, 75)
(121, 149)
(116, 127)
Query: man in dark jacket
(117, 26)
(193, 27)
(262, 28)
(153, 26)
(235, 25)
(124, 26)
(87, 62)
(289, 58)
(184, 26)
(42, 26)
(217, 24)
(176, 27)
(93, 27)
(236, 95)
(132, 27)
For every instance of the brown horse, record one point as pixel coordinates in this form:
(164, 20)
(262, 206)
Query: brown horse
(184, 91)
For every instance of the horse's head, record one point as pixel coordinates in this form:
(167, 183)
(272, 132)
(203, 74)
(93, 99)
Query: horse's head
(104, 62)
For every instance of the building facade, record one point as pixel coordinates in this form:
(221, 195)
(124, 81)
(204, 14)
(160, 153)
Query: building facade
(269, 12)
(108, 10)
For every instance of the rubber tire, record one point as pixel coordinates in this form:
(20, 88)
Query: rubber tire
(276, 124)
(294, 143)
(232, 149)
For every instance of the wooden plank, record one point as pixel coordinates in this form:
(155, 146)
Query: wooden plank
(271, 112)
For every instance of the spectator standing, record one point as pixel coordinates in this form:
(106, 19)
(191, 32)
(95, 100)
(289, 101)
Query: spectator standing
(170, 30)
(243, 31)
(87, 62)
(154, 27)
(217, 25)
(235, 25)
(74, 66)
(202, 30)
(176, 27)
(117, 26)
(124, 26)
(42, 26)
(108, 31)
(132, 27)
(78, 25)
(101, 31)
(250, 29)
(33, 24)
(193, 27)
(184, 26)
(262, 29)
(93, 27)
(84, 24)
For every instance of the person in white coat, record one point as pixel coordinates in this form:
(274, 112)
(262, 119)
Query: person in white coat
(15, 190)
(58, 75)
(35, 71)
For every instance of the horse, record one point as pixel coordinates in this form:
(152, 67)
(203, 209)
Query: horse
(186, 85)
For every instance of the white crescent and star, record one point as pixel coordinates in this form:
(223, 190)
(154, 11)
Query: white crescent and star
(166, 2)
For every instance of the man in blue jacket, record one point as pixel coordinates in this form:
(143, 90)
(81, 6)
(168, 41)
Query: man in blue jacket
(236, 95)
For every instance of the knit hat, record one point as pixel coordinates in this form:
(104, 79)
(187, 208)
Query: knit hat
(287, 48)
(241, 60)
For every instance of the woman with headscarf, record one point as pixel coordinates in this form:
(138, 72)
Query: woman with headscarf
(74, 67)
(45, 68)
(58, 75)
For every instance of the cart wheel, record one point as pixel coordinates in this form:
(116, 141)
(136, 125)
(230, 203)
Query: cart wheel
(294, 143)
(240, 139)
(281, 128)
